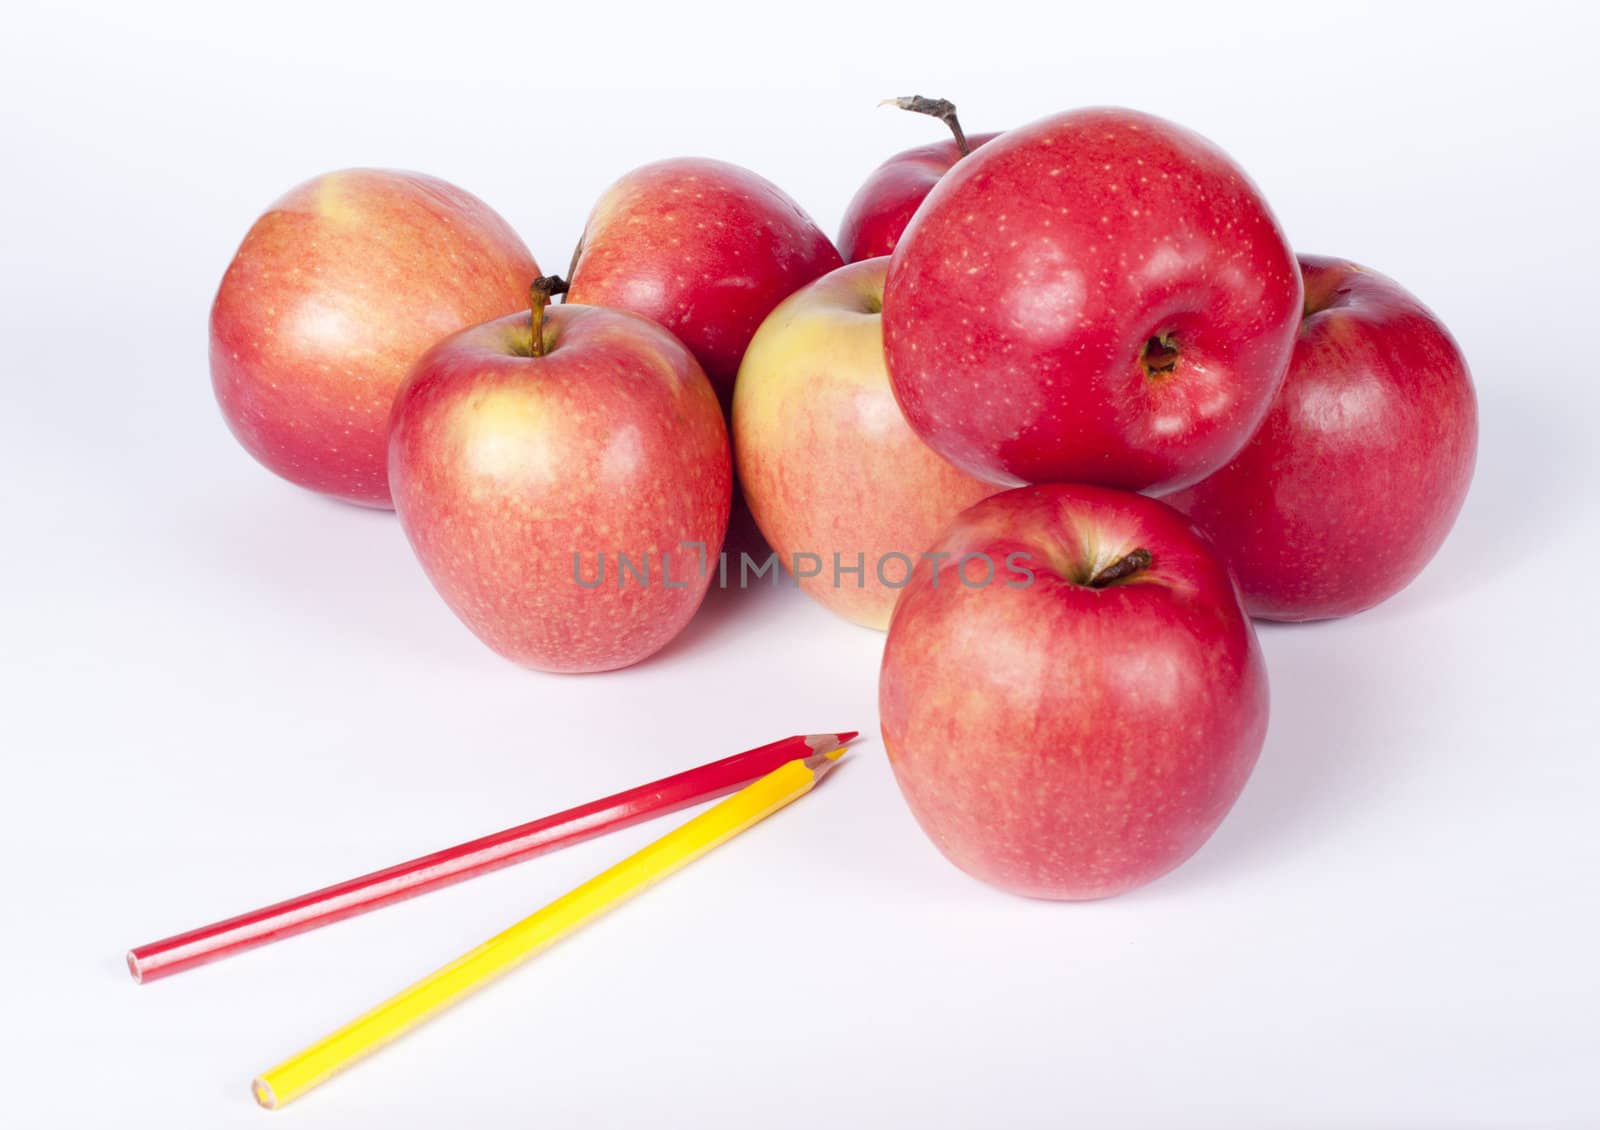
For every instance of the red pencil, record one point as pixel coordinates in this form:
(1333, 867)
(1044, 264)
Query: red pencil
(453, 864)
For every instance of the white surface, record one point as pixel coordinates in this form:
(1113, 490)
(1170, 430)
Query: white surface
(220, 690)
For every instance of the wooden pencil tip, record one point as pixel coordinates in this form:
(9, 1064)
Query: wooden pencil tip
(821, 743)
(819, 763)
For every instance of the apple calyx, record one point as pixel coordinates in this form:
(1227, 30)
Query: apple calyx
(539, 294)
(941, 108)
(1121, 569)
(1160, 354)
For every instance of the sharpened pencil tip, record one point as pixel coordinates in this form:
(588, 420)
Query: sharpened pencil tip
(819, 763)
(821, 743)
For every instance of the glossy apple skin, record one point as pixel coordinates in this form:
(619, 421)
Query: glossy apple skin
(504, 465)
(1022, 296)
(1064, 741)
(885, 203)
(702, 247)
(825, 459)
(1361, 466)
(333, 295)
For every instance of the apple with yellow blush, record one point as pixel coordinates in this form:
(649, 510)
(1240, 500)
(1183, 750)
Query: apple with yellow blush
(530, 455)
(336, 291)
(833, 474)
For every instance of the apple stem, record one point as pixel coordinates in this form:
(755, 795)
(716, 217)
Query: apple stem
(941, 108)
(538, 298)
(572, 267)
(1122, 568)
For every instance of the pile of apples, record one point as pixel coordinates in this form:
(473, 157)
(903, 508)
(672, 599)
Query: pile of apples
(1070, 415)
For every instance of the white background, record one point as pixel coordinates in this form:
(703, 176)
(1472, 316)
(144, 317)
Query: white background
(220, 690)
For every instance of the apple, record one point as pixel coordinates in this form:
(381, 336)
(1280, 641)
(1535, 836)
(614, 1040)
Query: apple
(564, 478)
(1356, 476)
(884, 205)
(1098, 297)
(336, 291)
(1071, 695)
(842, 489)
(702, 247)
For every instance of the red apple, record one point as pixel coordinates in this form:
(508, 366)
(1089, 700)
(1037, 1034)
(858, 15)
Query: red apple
(1100, 296)
(564, 487)
(1357, 474)
(332, 297)
(843, 490)
(884, 205)
(1081, 723)
(702, 247)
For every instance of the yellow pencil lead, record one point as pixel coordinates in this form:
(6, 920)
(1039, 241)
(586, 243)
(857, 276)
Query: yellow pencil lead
(820, 763)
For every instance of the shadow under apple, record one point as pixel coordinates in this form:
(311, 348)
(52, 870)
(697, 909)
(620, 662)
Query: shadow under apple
(1534, 472)
(1323, 760)
(329, 567)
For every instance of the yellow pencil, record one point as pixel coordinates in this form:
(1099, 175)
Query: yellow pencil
(397, 1015)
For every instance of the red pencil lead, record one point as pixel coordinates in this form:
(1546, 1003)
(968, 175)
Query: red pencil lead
(821, 743)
